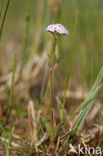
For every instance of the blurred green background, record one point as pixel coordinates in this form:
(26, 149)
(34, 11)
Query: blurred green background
(86, 43)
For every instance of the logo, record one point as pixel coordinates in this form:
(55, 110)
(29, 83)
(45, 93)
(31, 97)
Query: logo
(85, 150)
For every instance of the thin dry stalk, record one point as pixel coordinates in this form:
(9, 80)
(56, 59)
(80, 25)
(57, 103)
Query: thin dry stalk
(42, 140)
(32, 119)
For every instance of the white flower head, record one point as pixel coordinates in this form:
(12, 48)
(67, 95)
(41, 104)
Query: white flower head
(57, 29)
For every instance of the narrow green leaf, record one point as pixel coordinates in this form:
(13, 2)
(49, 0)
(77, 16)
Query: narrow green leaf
(69, 70)
(87, 104)
(4, 17)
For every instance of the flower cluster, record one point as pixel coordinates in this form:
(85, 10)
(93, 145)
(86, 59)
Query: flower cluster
(57, 29)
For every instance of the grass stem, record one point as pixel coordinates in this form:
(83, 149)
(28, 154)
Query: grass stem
(11, 90)
(4, 17)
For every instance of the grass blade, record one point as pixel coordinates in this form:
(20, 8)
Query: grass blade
(1, 8)
(25, 39)
(12, 82)
(87, 104)
(69, 71)
(11, 90)
(4, 17)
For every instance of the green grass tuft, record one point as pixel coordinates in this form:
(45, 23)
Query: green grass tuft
(87, 104)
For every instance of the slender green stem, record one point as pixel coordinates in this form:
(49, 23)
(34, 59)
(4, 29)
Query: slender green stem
(25, 41)
(51, 104)
(4, 17)
(53, 52)
(11, 90)
(69, 70)
(52, 56)
(64, 99)
(12, 82)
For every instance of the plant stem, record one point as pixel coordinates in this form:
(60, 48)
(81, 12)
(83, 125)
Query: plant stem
(51, 103)
(53, 52)
(52, 56)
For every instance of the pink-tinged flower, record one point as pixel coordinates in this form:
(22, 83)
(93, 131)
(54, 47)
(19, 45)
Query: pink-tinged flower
(57, 29)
